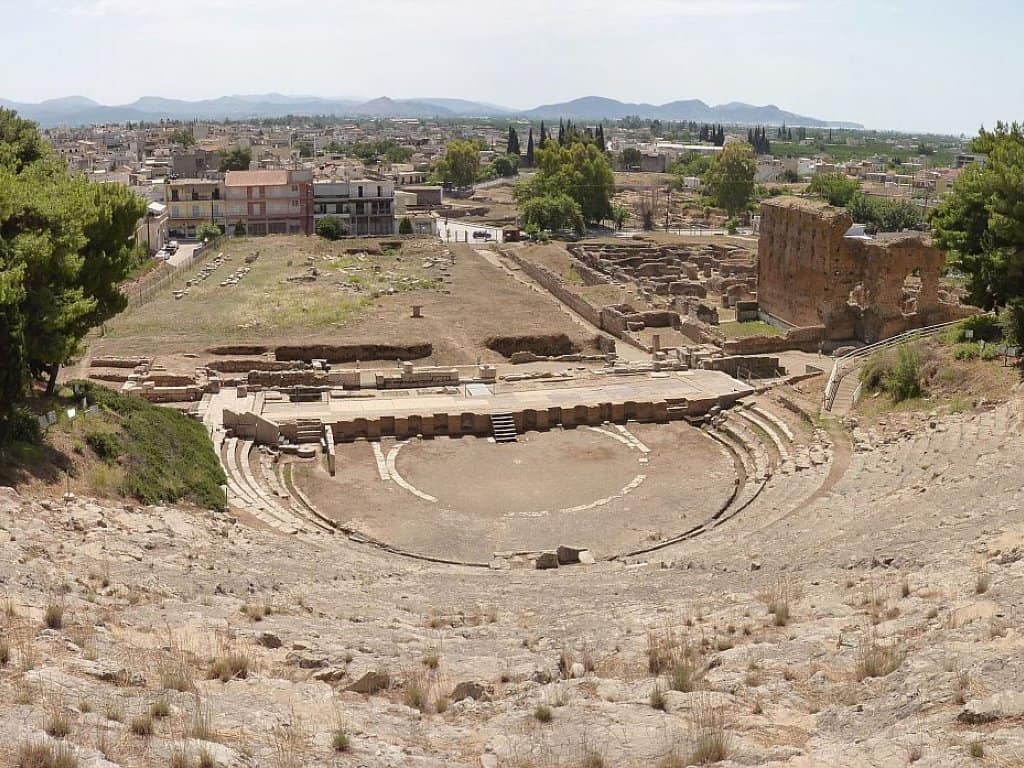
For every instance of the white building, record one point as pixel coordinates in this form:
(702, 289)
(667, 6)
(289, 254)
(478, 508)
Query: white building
(365, 206)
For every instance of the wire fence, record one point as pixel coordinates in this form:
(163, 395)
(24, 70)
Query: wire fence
(146, 291)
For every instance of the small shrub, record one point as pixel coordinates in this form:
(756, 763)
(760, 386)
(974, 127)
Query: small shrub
(340, 741)
(5, 651)
(903, 381)
(983, 328)
(710, 740)
(53, 616)
(230, 666)
(160, 709)
(206, 759)
(976, 749)
(106, 445)
(141, 725)
(432, 660)
(542, 714)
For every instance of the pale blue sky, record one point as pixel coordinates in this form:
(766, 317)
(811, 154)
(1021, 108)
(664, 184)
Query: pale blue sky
(905, 64)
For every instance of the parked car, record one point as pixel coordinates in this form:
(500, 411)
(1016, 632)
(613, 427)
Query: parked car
(172, 247)
(162, 254)
(481, 234)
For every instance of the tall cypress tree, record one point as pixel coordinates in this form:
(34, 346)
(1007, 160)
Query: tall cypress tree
(561, 133)
(600, 137)
(543, 135)
(513, 142)
(529, 148)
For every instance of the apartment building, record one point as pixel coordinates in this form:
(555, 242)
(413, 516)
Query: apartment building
(366, 206)
(272, 202)
(191, 203)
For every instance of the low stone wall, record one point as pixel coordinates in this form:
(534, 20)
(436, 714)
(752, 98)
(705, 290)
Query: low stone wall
(119, 362)
(350, 353)
(746, 366)
(553, 283)
(546, 345)
(244, 366)
(804, 339)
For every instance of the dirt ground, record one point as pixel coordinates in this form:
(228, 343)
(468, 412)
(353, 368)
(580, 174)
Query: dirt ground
(560, 487)
(464, 303)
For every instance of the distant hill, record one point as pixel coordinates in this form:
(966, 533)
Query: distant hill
(599, 108)
(78, 110)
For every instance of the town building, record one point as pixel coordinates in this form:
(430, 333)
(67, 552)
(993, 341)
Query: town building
(365, 206)
(192, 203)
(270, 202)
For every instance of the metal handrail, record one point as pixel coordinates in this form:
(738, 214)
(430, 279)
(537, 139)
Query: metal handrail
(841, 366)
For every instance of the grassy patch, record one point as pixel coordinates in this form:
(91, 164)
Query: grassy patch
(165, 455)
(735, 330)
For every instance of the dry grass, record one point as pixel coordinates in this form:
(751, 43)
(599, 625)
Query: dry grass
(878, 659)
(32, 754)
(779, 599)
(53, 616)
(231, 664)
(142, 725)
(416, 690)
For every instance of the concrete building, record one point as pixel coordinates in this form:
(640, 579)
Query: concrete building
(272, 202)
(191, 203)
(366, 206)
(194, 164)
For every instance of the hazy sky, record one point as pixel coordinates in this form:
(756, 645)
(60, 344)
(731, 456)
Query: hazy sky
(904, 64)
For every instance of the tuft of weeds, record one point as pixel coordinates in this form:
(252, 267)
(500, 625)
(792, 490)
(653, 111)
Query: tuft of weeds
(34, 754)
(53, 616)
(340, 741)
(542, 713)
(877, 659)
(141, 725)
(657, 698)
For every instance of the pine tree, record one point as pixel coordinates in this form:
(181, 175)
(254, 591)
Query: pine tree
(529, 148)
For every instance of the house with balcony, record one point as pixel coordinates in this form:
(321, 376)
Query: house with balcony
(269, 202)
(191, 203)
(365, 206)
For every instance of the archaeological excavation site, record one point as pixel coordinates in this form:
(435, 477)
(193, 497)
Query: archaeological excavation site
(637, 501)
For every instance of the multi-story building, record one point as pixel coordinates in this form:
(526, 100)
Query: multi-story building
(272, 202)
(365, 206)
(191, 203)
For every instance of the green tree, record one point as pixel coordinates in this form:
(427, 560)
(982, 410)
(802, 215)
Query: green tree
(579, 170)
(836, 188)
(461, 163)
(981, 222)
(512, 148)
(183, 137)
(236, 159)
(239, 229)
(405, 226)
(330, 228)
(630, 157)
(305, 148)
(554, 212)
(64, 249)
(506, 166)
(730, 179)
(530, 149)
(208, 231)
(620, 215)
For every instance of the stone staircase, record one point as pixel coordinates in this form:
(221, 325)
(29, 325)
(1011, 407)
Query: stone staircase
(504, 428)
(309, 431)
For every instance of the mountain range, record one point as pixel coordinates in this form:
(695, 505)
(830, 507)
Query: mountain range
(79, 110)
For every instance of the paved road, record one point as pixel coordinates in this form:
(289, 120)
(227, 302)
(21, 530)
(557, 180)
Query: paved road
(183, 254)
